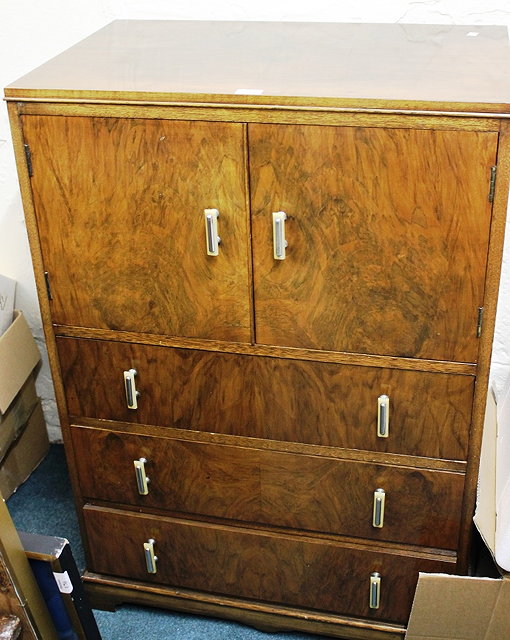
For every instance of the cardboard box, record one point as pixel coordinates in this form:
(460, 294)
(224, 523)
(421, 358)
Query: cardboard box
(25, 454)
(448, 607)
(18, 358)
(16, 417)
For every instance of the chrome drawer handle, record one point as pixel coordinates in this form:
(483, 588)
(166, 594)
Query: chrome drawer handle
(383, 416)
(375, 590)
(130, 387)
(279, 242)
(211, 231)
(378, 514)
(150, 558)
(142, 479)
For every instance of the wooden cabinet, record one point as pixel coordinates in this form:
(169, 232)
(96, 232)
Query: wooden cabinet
(269, 311)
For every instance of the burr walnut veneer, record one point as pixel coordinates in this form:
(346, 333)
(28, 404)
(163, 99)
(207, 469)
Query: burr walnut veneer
(283, 426)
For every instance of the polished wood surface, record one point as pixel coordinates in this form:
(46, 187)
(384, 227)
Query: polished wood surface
(291, 353)
(258, 407)
(253, 564)
(296, 491)
(120, 204)
(351, 65)
(309, 114)
(108, 592)
(337, 453)
(385, 229)
(297, 401)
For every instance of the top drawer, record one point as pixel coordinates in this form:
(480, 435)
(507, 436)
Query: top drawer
(279, 399)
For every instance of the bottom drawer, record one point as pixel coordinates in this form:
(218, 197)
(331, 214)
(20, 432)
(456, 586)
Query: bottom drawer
(293, 570)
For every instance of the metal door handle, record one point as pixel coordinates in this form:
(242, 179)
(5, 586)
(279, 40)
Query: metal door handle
(150, 558)
(130, 389)
(378, 513)
(142, 480)
(375, 590)
(279, 242)
(211, 231)
(383, 416)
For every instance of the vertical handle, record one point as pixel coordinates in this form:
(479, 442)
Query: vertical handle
(279, 242)
(130, 388)
(375, 590)
(211, 231)
(150, 558)
(378, 513)
(142, 480)
(383, 416)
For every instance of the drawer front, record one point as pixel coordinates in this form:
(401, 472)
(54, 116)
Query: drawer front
(274, 398)
(267, 487)
(297, 571)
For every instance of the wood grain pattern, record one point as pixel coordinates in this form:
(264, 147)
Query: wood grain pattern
(338, 453)
(120, 208)
(388, 236)
(107, 592)
(311, 114)
(316, 403)
(239, 562)
(287, 490)
(315, 355)
(358, 65)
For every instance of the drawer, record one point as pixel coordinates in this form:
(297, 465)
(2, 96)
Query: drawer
(299, 571)
(275, 398)
(273, 488)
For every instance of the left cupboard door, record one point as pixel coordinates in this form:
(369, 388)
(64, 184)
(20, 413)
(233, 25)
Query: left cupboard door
(121, 206)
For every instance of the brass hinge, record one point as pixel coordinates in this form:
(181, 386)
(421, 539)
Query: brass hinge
(492, 184)
(28, 156)
(479, 323)
(48, 286)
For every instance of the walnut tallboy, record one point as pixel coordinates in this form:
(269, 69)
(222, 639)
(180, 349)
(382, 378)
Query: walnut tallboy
(283, 426)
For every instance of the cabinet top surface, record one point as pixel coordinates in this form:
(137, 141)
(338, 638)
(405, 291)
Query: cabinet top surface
(360, 66)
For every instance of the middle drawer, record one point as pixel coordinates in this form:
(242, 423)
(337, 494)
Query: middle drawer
(351, 498)
(281, 399)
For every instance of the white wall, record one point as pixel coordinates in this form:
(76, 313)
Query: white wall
(32, 32)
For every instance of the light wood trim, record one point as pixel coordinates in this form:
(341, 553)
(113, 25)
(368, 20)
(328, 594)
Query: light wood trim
(376, 457)
(249, 254)
(428, 553)
(424, 553)
(108, 592)
(473, 110)
(38, 267)
(390, 362)
(484, 358)
(279, 114)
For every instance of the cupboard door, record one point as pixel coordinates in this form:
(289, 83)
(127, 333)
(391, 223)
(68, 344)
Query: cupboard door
(318, 494)
(120, 208)
(387, 233)
(289, 400)
(291, 570)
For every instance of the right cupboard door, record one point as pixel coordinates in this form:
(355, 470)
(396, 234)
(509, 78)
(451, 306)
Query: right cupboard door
(387, 233)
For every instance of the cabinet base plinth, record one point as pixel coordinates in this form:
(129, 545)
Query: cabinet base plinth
(107, 593)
